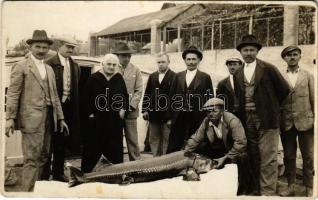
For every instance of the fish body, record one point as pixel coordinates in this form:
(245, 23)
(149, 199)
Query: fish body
(166, 166)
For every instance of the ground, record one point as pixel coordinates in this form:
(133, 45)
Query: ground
(282, 184)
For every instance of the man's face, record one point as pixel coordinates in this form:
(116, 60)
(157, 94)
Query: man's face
(292, 58)
(39, 49)
(109, 66)
(163, 63)
(192, 61)
(233, 67)
(66, 50)
(215, 113)
(249, 53)
(124, 59)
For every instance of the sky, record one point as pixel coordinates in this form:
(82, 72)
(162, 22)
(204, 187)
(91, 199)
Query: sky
(21, 18)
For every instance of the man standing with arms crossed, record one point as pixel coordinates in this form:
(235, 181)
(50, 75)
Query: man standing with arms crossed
(34, 108)
(134, 84)
(260, 89)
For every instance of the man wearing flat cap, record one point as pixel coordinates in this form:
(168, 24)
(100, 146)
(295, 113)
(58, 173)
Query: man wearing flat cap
(221, 137)
(260, 89)
(189, 90)
(134, 84)
(67, 74)
(33, 106)
(298, 121)
(225, 88)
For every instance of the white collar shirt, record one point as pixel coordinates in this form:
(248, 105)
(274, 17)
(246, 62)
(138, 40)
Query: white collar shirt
(161, 76)
(249, 69)
(292, 76)
(40, 66)
(66, 77)
(232, 81)
(190, 76)
(217, 129)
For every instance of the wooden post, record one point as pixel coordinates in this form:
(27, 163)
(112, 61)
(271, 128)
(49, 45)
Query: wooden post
(202, 37)
(179, 38)
(164, 39)
(235, 33)
(212, 36)
(250, 26)
(220, 36)
(267, 32)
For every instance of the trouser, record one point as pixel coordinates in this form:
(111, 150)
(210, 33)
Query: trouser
(306, 146)
(158, 138)
(59, 144)
(35, 149)
(131, 136)
(262, 147)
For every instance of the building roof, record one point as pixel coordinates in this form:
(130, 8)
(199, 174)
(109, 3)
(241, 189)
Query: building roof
(142, 22)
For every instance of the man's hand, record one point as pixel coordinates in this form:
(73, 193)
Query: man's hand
(169, 123)
(122, 113)
(145, 116)
(63, 128)
(221, 162)
(9, 127)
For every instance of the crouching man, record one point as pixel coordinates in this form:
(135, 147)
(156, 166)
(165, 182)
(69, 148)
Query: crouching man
(221, 136)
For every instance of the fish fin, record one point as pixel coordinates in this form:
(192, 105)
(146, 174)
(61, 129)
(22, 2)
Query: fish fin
(182, 172)
(101, 164)
(76, 176)
(126, 180)
(191, 175)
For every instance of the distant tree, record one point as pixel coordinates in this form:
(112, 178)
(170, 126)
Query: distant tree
(22, 46)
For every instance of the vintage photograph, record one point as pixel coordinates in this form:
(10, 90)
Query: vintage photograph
(159, 99)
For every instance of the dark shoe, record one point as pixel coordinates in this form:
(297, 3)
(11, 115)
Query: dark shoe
(290, 192)
(308, 192)
(60, 178)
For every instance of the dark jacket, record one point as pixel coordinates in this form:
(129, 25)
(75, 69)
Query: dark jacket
(269, 92)
(58, 69)
(226, 92)
(202, 90)
(154, 100)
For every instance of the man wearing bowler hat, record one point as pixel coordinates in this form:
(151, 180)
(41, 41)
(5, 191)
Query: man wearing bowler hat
(298, 121)
(225, 88)
(33, 106)
(260, 89)
(67, 74)
(189, 91)
(134, 84)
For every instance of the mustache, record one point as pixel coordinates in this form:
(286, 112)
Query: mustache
(41, 54)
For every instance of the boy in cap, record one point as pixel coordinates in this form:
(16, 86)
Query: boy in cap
(67, 74)
(225, 88)
(298, 121)
(34, 107)
(260, 89)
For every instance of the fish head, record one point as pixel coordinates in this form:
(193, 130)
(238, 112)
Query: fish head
(203, 164)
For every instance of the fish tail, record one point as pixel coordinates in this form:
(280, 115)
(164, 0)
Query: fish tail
(76, 176)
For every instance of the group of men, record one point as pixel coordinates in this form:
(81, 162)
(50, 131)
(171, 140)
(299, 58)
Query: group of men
(252, 106)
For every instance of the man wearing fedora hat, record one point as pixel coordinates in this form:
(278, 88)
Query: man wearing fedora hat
(33, 107)
(134, 84)
(260, 89)
(67, 74)
(298, 121)
(189, 90)
(225, 88)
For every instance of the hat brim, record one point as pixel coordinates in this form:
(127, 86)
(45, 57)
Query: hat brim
(199, 54)
(71, 44)
(124, 52)
(30, 41)
(257, 45)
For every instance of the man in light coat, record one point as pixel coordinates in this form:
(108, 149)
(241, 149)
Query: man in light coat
(298, 121)
(134, 84)
(34, 108)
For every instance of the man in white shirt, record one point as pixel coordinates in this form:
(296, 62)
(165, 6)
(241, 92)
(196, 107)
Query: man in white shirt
(67, 74)
(155, 105)
(34, 108)
(260, 89)
(225, 88)
(189, 91)
(298, 121)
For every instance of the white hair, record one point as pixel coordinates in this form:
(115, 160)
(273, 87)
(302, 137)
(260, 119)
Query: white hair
(110, 56)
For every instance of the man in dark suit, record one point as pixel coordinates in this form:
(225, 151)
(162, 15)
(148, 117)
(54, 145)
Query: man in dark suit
(260, 89)
(67, 74)
(155, 105)
(298, 121)
(225, 88)
(189, 91)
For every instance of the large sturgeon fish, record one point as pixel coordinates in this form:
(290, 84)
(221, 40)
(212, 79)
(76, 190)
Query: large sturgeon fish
(190, 165)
